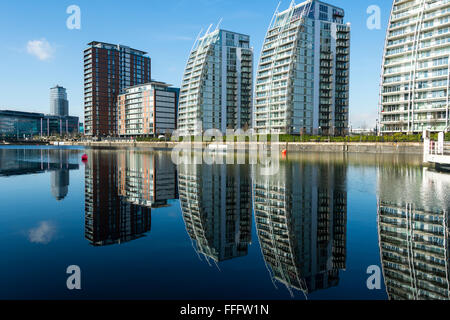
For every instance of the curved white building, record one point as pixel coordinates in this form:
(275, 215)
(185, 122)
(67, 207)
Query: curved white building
(415, 70)
(216, 92)
(303, 74)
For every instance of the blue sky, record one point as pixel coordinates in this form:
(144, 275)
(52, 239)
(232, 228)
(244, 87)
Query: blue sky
(39, 51)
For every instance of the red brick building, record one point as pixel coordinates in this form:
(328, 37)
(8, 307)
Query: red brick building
(108, 70)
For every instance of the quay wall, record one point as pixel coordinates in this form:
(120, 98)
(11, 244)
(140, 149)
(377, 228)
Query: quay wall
(326, 147)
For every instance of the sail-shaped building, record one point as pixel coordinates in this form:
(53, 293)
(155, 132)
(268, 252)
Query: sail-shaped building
(415, 69)
(302, 83)
(216, 92)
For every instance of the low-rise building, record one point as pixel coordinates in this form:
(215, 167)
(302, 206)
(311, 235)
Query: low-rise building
(148, 110)
(19, 125)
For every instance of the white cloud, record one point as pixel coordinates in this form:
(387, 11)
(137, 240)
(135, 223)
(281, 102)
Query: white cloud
(40, 49)
(42, 234)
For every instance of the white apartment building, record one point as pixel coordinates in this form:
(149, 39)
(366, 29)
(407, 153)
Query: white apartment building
(302, 82)
(415, 70)
(147, 110)
(216, 92)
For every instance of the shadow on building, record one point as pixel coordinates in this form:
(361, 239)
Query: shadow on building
(216, 206)
(413, 208)
(301, 222)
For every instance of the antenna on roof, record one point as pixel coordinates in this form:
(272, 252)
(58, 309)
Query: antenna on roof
(218, 25)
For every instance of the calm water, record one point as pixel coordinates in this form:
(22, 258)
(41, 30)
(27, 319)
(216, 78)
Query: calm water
(141, 228)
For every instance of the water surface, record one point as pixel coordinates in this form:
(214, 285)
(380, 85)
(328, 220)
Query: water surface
(140, 227)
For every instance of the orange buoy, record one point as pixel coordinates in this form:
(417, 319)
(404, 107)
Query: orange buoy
(284, 152)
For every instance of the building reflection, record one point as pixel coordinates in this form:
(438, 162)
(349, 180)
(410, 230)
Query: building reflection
(301, 218)
(216, 206)
(58, 162)
(120, 192)
(413, 232)
(147, 179)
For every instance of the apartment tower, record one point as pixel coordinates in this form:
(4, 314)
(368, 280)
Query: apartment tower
(415, 69)
(216, 92)
(59, 105)
(108, 70)
(302, 81)
(148, 110)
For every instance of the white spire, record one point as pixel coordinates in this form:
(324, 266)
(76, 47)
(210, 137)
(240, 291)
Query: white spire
(218, 25)
(207, 31)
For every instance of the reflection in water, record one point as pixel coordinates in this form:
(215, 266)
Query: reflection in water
(301, 217)
(147, 179)
(413, 232)
(120, 193)
(15, 162)
(216, 205)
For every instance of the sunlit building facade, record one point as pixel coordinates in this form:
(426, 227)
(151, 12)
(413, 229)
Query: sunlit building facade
(108, 70)
(302, 84)
(147, 110)
(414, 83)
(217, 86)
(59, 105)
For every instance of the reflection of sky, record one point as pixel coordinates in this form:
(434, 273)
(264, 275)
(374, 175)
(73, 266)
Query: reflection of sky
(163, 264)
(43, 233)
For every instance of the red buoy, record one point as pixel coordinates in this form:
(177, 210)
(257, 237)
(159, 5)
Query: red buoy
(84, 157)
(284, 152)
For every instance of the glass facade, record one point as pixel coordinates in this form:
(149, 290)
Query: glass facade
(414, 89)
(302, 81)
(59, 105)
(216, 92)
(19, 125)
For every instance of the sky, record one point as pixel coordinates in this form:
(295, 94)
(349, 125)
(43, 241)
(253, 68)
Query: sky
(39, 51)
